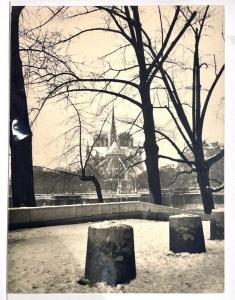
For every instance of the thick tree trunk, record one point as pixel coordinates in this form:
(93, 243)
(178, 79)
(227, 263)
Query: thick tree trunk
(151, 152)
(20, 133)
(22, 174)
(96, 183)
(150, 145)
(203, 180)
(206, 194)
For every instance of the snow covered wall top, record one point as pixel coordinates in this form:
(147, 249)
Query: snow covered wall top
(69, 214)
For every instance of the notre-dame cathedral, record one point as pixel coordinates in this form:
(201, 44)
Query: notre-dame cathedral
(116, 160)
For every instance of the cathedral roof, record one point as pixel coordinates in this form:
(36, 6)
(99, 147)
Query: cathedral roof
(114, 149)
(117, 158)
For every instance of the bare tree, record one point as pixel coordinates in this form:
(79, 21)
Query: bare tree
(86, 170)
(139, 73)
(20, 133)
(191, 130)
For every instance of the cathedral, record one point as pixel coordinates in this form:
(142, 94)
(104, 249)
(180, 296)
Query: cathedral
(116, 160)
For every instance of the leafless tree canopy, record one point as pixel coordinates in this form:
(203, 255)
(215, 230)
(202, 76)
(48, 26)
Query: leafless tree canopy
(161, 70)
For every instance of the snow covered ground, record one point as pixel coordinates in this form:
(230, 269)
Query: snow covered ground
(52, 259)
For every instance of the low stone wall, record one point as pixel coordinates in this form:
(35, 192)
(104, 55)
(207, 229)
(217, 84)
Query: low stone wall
(70, 214)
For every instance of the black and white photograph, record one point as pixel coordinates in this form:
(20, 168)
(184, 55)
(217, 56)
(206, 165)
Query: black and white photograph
(116, 135)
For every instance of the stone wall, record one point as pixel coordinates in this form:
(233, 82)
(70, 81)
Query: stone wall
(70, 214)
(186, 201)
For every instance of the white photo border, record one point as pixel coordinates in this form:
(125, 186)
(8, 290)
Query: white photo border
(229, 148)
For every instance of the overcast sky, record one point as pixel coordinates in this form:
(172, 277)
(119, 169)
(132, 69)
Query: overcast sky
(51, 123)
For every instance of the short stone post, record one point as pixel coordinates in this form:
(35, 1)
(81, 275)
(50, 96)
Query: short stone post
(217, 224)
(110, 254)
(186, 234)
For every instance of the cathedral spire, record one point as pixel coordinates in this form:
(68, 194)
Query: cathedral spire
(113, 133)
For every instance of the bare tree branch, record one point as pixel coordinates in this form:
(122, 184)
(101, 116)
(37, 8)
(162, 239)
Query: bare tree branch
(208, 96)
(210, 161)
(181, 173)
(217, 189)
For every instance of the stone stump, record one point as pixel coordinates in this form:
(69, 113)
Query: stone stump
(186, 234)
(110, 254)
(217, 224)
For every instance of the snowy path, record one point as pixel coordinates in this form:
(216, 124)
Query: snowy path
(51, 259)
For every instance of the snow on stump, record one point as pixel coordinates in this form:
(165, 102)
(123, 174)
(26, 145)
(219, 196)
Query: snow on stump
(217, 224)
(110, 254)
(186, 234)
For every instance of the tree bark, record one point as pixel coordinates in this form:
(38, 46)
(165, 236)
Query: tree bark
(206, 193)
(20, 133)
(203, 179)
(96, 183)
(150, 144)
(151, 151)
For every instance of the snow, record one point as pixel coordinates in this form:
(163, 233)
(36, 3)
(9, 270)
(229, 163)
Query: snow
(219, 209)
(52, 259)
(180, 216)
(108, 224)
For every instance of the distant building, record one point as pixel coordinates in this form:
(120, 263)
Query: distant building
(102, 140)
(116, 160)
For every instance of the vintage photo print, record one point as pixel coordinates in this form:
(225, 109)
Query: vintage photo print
(116, 148)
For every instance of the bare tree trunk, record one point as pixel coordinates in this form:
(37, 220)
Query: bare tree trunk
(151, 152)
(96, 183)
(150, 144)
(206, 194)
(203, 179)
(20, 133)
